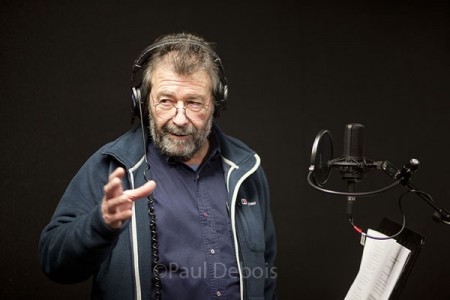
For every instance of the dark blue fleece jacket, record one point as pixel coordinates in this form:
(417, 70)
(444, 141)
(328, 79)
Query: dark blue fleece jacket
(77, 244)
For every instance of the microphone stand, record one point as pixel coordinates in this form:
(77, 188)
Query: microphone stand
(440, 214)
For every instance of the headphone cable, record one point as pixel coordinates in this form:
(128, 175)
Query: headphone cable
(156, 280)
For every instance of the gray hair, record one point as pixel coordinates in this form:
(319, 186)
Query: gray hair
(187, 53)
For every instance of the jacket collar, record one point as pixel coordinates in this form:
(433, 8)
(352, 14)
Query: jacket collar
(128, 149)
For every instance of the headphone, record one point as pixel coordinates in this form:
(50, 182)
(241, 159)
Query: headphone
(139, 101)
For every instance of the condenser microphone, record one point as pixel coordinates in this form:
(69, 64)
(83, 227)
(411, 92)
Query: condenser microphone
(354, 167)
(352, 164)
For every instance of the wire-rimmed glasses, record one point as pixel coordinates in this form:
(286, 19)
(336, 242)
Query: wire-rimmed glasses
(167, 109)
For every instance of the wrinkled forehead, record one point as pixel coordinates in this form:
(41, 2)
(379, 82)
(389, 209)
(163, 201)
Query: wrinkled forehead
(184, 66)
(166, 80)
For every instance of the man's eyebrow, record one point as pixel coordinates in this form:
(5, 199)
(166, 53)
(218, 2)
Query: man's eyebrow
(185, 97)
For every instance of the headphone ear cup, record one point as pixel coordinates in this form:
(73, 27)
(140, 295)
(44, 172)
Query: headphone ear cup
(224, 96)
(221, 99)
(136, 100)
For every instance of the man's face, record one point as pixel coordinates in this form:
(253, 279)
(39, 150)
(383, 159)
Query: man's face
(184, 135)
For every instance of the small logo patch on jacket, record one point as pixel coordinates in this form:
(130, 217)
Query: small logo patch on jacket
(249, 203)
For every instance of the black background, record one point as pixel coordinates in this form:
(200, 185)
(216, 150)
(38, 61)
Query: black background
(294, 68)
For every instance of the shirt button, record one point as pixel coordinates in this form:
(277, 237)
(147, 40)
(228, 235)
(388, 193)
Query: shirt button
(212, 252)
(205, 214)
(218, 294)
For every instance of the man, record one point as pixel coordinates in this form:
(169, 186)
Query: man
(205, 230)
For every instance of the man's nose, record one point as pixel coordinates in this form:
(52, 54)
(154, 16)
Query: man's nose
(180, 118)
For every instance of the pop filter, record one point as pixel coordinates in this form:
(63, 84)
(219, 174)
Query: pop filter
(321, 154)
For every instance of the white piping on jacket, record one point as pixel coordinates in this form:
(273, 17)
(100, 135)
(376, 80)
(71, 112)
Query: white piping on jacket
(137, 277)
(233, 211)
(232, 167)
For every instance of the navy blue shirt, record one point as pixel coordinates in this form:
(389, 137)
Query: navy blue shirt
(196, 246)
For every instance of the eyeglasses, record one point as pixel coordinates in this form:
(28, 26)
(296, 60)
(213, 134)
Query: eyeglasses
(166, 109)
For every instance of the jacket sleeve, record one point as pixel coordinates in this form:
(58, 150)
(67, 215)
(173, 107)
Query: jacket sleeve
(76, 241)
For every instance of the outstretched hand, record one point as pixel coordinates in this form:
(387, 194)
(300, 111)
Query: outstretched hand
(117, 203)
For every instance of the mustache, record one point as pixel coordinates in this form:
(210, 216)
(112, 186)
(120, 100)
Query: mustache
(173, 129)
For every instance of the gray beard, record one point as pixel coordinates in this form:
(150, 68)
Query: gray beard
(181, 150)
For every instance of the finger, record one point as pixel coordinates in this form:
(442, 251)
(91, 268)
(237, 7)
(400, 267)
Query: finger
(123, 215)
(116, 210)
(117, 204)
(141, 191)
(118, 172)
(113, 188)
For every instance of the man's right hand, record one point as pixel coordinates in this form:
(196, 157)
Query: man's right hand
(117, 203)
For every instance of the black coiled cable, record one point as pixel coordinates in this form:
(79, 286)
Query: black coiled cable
(156, 280)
